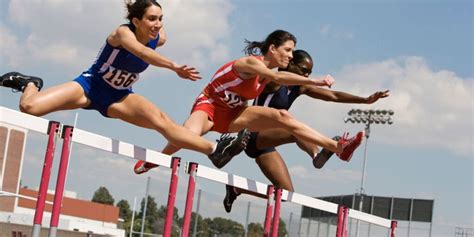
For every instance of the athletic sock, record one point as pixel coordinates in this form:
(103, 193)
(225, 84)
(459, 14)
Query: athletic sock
(214, 147)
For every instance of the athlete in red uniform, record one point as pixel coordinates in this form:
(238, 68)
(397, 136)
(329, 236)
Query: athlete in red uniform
(224, 98)
(222, 106)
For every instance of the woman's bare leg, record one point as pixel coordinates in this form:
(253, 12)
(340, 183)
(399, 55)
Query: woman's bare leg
(197, 123)
(273, 167)
(69, 95)
(257, 118)
(279, 136)
(137, 110)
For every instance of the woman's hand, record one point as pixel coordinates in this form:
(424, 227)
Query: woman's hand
(377, 95)
(328, 80)
(186, 72)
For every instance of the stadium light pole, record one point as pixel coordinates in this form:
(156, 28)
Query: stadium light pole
(367, 117)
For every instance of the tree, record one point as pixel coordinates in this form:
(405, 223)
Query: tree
(103, 196)
(282, 229)
(125, 213)
(226, 227)
(124, 210)
(255, 230)
(202, 225)
(159, 225)
(151, 214)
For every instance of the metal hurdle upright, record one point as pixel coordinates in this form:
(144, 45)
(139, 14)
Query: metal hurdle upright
(52, 128)
(341, 211)
(194, 170)
(43, 126)
(274, 197)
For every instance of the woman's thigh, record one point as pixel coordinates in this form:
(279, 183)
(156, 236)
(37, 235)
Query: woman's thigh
(137, 110)
(259, 118)
(274, 168)
(274, 137)
(69, 95)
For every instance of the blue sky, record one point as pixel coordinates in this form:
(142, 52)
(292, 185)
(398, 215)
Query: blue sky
(421, 50)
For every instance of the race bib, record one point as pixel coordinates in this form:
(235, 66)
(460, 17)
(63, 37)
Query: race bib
(233, 99)
(120, 79)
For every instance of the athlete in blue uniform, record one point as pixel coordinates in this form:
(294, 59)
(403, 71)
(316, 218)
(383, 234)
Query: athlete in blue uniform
(107, 85)
(262, 145)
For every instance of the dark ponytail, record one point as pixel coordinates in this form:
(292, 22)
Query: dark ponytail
(137, 8)
(253, 47)
(277, 38)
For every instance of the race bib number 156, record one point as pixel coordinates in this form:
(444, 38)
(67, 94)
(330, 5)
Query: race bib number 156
(119, 79)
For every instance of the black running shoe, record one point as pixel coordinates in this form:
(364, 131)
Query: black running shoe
(228, 147)
(230, 196)
(18, 81)
(323, 156)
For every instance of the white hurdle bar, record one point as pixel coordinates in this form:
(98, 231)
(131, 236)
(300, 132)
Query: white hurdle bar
(43, 126)
(333, 208)
(195, 170)
(9, 194)
(79, 136)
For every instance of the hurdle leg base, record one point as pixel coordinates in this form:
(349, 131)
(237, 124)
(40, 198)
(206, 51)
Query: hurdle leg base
(36, 230)
(53, 231)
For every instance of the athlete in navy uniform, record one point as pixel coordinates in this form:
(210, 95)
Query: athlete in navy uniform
(262, 145)
(107, 85)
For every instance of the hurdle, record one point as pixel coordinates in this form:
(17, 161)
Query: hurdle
(342, 212)
(276, 195)
(69, 135)
(196, 170)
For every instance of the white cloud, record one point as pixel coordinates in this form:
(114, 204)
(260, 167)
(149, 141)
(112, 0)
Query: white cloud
(9, 48)
(199, 37)
(329, 32)
(433, 109)
(69, 33)
(325, 29)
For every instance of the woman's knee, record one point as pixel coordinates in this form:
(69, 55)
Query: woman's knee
(198, 123)
(283, 116)
(190, 125)
(286, 186)
(160, 120)
(29, 107)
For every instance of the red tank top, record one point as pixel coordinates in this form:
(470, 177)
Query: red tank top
(228, 89)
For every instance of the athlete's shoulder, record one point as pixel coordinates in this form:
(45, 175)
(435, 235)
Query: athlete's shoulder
(122, 30)
(251, 59)
(116, 36)
(247, 61)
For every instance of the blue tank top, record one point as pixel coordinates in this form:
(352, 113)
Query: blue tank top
(283, 98)
(118, 67)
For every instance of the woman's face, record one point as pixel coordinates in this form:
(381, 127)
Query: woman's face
(303, 68)
(151, 22)
(284, 53)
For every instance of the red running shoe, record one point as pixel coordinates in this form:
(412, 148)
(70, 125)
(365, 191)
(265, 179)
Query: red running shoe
(349, 145)
(143, 167)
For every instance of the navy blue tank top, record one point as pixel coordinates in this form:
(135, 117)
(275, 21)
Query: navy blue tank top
(118, 67)
(283, 98)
